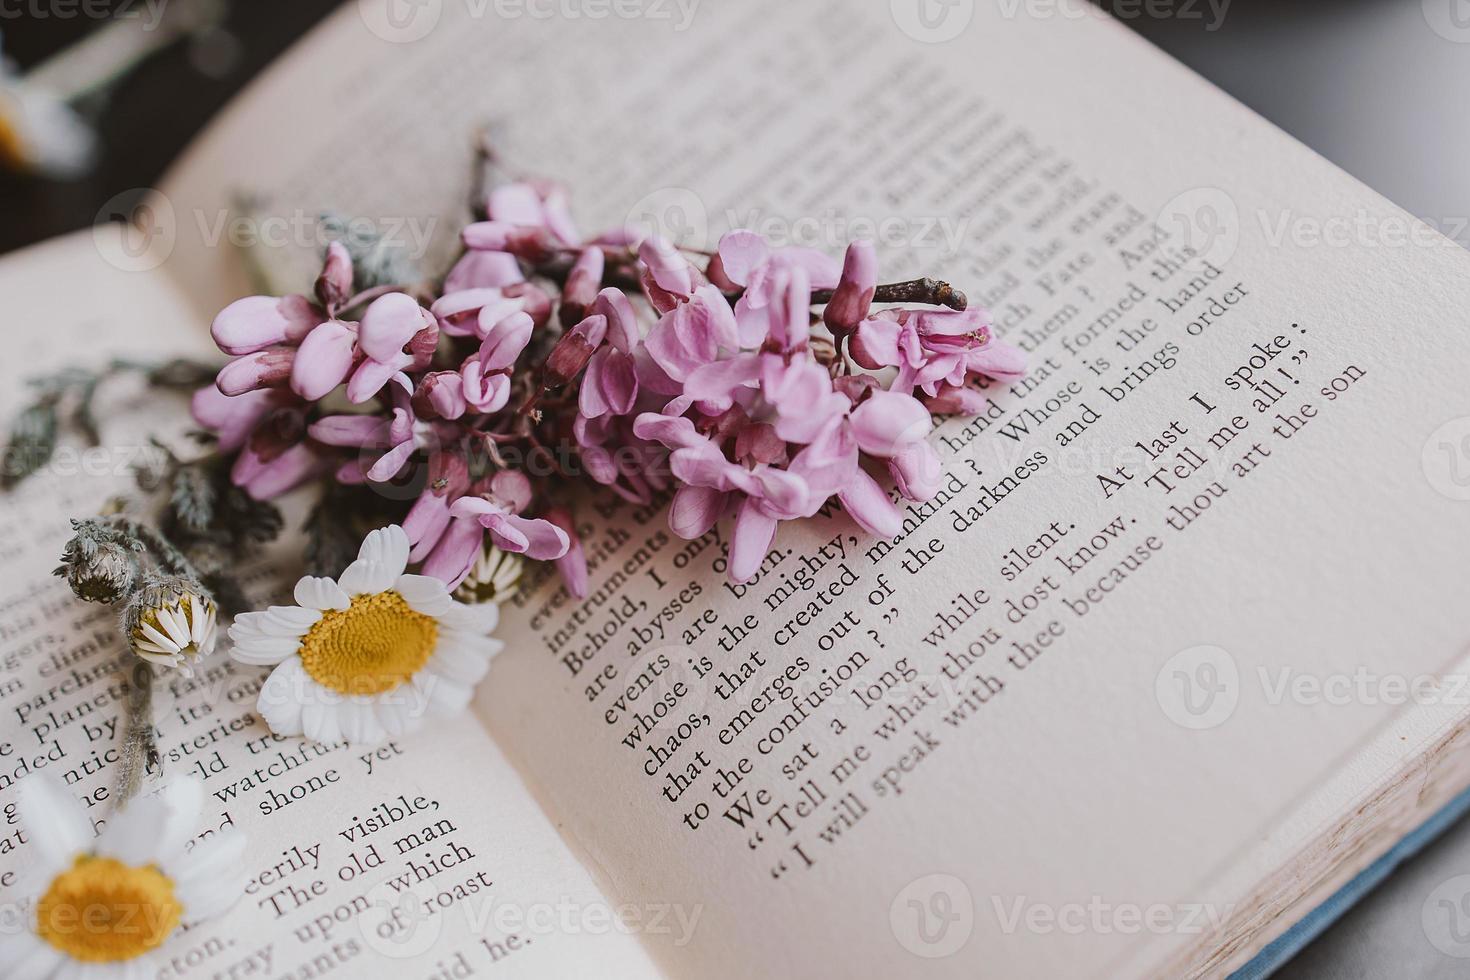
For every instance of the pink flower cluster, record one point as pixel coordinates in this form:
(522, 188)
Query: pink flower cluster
(716, 383)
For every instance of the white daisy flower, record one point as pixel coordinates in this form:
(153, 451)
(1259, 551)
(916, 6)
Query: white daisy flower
(368, 656)
(95, 908)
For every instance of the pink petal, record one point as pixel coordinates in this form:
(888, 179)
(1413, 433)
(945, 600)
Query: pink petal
(741, 250)
(455, 554)
(867, 504)
(231, 418)
(622, 324)
(917, 471)
(875, 344)
(695, 510)
(257, 322)
(388, 324)
(669, 269)
(715, 384)
(351, 430)
(391, 462)
(543, 540)
(888, 422)
(425, 523)
(998, 360)
(754, 532)
(854, 293)
(323, 360)
(516, 203)
(371, 376)
(573, 564)
(274, 478)
(250, 372)
(483, 269)
(504, 341)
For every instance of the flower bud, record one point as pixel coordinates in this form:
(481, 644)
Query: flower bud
(334, 285)
(106, 575)
(574, 350)
(171, 621)
(494, 577)
(580, 291)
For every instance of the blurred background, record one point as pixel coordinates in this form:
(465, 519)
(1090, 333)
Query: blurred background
(1380, 87)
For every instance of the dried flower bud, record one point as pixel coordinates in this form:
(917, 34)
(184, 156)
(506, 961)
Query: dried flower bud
(583, 282)
(171, 621)
(854, 293)
(574, 350)
(495, 576)
(334, 285)
(107, 574)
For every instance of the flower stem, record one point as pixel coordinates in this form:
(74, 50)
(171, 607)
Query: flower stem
(930, 292)
(140, 746)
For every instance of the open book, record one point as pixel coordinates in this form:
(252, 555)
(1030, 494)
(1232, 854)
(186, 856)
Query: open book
(1175, 653)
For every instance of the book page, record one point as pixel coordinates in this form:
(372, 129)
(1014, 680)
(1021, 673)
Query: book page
(1092, 700)
(426, 854)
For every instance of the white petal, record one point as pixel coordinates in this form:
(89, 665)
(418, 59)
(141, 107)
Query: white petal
(279, 621)
(388, 546)
(458, 666)
(359, 722)
(320, 592)
(197, 620)
(27, 956)
(319, 721)
(131, 834)
(480, 618)
(208, 879)
(366, 577)
(444, 697)
(55, 821)
(173, 623)
(398, 717)
(263, 650)
(281, 697)
(424, 594)
(184, 798)
(160, 640)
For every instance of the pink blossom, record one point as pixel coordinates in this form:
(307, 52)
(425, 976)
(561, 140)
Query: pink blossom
(573, 564)
(396, 335)
(396, 437)
(936, 351)
(493, 508)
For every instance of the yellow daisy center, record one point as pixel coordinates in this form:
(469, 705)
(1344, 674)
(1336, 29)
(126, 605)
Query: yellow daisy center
(373, 646)
(101, 910)
(12, 150)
